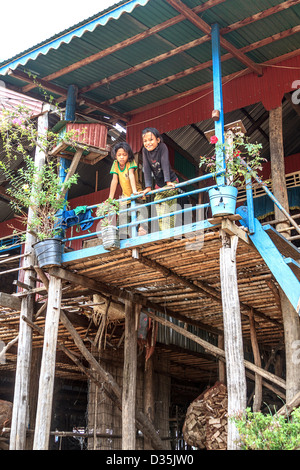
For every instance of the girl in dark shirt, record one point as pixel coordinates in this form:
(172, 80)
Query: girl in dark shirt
(156, 161)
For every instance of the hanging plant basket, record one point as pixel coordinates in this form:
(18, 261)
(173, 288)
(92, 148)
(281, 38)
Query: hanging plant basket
(223, 200)
(110, 238)
(48, 252)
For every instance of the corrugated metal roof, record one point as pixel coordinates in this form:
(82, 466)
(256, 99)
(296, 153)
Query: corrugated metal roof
(158, 80)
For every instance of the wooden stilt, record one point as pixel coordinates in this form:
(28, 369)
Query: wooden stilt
(277, 166)
(235, 370)
(257, 361)
(46, 383)
(129, 379)
(22, 382)
(290, 316)
(149, 396)
(222, 368)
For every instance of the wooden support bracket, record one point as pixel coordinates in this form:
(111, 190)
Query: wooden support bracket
(231, 229)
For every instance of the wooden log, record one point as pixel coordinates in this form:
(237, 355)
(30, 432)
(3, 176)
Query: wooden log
(235, 370)
(47, 374)
(129, 379)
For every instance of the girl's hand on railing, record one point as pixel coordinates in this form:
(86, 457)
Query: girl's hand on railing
(146, 190)
(170, 184)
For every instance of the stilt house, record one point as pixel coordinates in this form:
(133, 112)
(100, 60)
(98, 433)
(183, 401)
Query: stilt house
(154, 344)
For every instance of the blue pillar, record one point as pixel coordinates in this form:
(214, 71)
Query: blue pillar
(71, 103)
(218, 95)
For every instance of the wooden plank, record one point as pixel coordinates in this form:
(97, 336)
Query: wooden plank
(295, 267)
(286, 248)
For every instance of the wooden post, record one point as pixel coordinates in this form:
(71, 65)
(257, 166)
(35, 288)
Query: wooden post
(277, 165)
(149, 402)
(290, 316)
(235, 370)
(129, 379)
(257, 361)
(222, 368)
(22, 382)
(46, 383)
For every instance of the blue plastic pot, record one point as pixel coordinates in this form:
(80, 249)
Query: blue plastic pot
(223, 200)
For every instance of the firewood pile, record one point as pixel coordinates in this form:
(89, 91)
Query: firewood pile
(5, 414)
(205, 424)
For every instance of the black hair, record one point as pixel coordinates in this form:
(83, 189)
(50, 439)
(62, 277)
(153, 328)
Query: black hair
(125, 146)
(153, 131)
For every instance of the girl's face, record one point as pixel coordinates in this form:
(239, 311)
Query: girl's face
(150, 141)
(122, 157)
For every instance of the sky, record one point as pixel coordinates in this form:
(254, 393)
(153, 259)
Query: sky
(25, 23)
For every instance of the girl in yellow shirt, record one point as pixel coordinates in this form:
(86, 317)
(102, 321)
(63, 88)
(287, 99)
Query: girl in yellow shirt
(124, 171)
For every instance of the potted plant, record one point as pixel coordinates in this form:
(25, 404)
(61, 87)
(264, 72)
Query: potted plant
(39, 189)
(109, 210)
(242, 160)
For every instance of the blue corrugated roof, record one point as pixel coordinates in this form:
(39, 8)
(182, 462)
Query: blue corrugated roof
(144, 30)
(76, 31)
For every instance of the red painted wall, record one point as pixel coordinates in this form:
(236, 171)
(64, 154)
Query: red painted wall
(239, 92)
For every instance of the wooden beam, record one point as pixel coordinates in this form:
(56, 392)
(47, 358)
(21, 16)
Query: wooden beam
(101, 287)
(197, 21)
(259, 16)
(216, 351)
(62, 92)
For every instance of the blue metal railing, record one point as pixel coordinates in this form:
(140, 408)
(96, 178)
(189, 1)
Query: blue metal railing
(132, 207)
(129, 205)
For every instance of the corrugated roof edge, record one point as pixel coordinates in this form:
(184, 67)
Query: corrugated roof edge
(100, 19)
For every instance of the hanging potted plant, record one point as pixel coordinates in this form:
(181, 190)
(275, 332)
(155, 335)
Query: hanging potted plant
(109, 210)
(37, 193)
(242, 159)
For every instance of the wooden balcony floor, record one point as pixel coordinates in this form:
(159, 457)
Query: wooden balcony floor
(182, 276)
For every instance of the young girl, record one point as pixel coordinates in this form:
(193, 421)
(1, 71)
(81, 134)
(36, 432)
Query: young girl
(124, 171)
(156, 161)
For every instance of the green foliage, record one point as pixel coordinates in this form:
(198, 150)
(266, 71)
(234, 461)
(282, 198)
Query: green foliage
(40, 189)
(238, 153)
(268, 432)
(110, 210)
